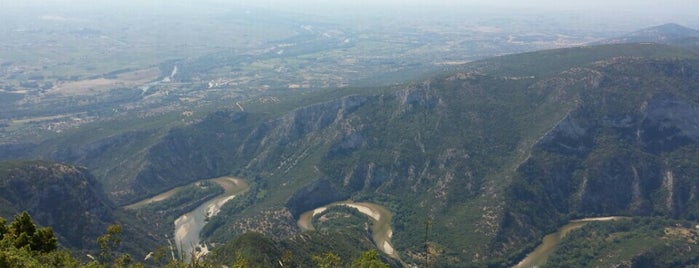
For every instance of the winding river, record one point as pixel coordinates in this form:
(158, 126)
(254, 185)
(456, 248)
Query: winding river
(381, 217)
(188, 226)
(541, 253)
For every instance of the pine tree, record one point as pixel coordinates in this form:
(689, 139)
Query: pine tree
(23, 224)
(24, 232)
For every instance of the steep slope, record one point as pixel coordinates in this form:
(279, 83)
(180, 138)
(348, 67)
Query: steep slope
(629, 148)
(492, 155)
(137, 157)
(645, 242)
(64, 197)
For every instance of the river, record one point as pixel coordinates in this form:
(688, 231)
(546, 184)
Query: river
(188, 226)
(381, 227)
(541, 253)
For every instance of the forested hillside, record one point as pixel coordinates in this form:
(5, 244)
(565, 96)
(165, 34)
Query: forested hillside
(62, 196)
(495, 155)
(474, 164)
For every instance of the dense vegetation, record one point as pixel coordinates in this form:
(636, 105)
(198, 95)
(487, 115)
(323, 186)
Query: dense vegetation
(448, 148)
(64, 196)
(641, 242)
(341, 248)
(491, 148)
(23, 244)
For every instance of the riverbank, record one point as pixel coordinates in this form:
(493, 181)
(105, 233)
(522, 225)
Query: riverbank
(157, 198)
(548, 244)
(381, 228)
(188, 226)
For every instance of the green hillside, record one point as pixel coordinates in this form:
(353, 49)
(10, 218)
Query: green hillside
(459, 149)
(493, 155)
(647, 242)
(65, 197)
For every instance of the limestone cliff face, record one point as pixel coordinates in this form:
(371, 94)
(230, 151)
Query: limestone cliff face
(628, 148)
(65, 197)
(624, 164)
(668, 122)
(227, 142)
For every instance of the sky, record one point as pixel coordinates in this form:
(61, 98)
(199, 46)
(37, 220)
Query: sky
(535, 4)
(531, 4)
(683, 11)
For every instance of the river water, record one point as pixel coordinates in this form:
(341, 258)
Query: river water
(541, 253)
(381, 227)
(188, 226)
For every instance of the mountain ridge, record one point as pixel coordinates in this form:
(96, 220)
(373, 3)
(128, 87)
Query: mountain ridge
(669, 33)
(453, 142)
(494, 154)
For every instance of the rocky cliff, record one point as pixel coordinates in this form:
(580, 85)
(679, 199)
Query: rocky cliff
(628, 148)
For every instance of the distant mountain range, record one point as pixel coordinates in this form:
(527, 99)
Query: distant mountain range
(670, 33)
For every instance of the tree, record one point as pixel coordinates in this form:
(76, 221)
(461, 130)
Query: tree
(44, 240)
(23, 232)
(109, 242)
(3, 228)
(327, 260)
(60, 258)
(369, 259)
(240, 261)
(22, 244)
(11, 256)
(23, 224)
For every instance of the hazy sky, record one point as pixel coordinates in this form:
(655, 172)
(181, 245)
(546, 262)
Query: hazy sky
(682, 11)
(686, 11)
(538, 4)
